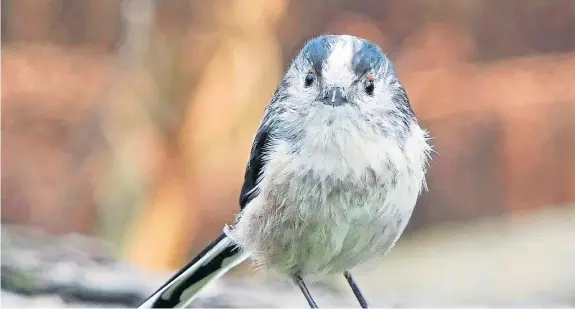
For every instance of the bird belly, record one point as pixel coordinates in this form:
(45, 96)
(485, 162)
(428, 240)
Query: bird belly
(318, 245)
(316, 227)
(328, 205)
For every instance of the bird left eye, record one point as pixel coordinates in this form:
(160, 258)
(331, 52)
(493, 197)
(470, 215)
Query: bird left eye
(309, 78)
(370, 85)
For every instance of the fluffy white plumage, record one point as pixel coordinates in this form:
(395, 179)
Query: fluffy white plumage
(334, 173)
(346, 194)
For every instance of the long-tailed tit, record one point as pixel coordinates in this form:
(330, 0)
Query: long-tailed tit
(333, 176)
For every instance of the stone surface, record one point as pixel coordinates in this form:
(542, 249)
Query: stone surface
(505, 262)
(43, 271)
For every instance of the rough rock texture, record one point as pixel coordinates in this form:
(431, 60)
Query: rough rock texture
(75, 271)
(517, 262)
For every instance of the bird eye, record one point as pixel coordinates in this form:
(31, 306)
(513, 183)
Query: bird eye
(370, 85)
(309, 78)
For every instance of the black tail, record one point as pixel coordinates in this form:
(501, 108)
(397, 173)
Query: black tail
(219, 257)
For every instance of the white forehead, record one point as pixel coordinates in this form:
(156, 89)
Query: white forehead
(337, 69)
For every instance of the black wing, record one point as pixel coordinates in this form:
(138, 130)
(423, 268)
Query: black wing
(255, 165)
(260, 145)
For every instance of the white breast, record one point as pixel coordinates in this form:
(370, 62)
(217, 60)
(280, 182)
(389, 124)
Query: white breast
(333, 205)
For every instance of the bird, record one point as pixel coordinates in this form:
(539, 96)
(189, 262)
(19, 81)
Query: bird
(334, 173)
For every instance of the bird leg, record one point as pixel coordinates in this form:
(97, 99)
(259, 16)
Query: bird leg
(355, 289)
(301, 284)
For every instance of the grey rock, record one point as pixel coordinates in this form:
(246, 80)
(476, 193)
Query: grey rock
(74, 271)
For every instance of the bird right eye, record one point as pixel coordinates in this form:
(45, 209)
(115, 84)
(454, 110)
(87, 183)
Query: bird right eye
(309, 78)
(370, 86)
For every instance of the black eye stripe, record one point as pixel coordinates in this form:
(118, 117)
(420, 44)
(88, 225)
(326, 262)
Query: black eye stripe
(368, 57)
(317, 50)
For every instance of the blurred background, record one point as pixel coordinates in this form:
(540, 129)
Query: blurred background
(129, 123)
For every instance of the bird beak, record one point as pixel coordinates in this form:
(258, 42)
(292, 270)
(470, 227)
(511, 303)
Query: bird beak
(334, 97)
